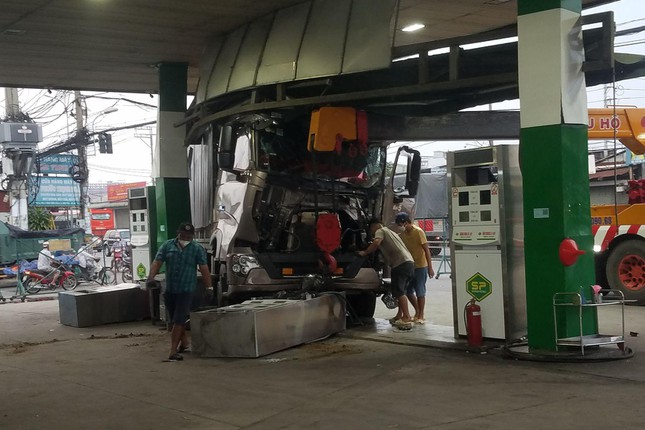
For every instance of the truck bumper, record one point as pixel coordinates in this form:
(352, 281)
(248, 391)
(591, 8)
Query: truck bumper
(258, 281)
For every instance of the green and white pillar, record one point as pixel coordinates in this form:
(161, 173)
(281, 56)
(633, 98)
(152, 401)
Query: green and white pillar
(553, 150)
(170, 167)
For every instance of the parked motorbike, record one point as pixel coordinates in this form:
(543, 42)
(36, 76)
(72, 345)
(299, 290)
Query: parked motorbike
(122, 261)
(101, 275)
(126, 271)
(35, 281)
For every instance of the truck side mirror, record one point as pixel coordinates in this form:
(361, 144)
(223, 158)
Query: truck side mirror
(412, 173)
(226, 149)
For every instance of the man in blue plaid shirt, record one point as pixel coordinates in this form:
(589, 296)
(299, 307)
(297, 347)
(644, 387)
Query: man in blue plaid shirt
(182, 256)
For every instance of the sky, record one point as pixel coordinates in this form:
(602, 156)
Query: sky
(131, 159)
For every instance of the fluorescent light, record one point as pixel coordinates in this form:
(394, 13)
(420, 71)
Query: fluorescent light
(13, 32)
(413, 27)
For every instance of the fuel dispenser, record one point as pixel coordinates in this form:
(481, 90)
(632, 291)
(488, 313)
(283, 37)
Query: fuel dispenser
(486, 246)
(143, 232)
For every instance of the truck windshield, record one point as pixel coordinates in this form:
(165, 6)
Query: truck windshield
(352, 163)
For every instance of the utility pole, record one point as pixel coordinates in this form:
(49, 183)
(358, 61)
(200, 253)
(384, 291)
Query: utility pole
(18, 187)
(84, 219)
(139, 132)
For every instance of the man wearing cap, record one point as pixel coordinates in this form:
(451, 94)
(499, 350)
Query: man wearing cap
(417, 243)
(398, 257)
(45, 259)
(182, 256)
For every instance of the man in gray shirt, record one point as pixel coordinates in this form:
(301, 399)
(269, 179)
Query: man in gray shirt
(400, 260)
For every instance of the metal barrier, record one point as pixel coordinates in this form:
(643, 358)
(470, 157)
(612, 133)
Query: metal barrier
(438, 228)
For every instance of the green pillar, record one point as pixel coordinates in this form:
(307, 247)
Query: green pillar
(170, 163)
(553, 150)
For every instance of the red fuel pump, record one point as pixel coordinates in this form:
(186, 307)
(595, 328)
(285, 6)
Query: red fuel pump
(473, 321)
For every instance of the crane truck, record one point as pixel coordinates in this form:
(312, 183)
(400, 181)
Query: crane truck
(619, 230)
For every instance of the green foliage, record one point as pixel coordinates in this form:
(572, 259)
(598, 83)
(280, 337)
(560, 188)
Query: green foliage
(40, 219)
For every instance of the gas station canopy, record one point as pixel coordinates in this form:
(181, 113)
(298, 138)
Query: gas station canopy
(116, 46)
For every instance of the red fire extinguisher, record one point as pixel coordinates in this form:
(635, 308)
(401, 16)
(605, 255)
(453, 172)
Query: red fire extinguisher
(473, 321)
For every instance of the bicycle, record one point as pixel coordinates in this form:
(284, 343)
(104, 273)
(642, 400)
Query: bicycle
(104, 276)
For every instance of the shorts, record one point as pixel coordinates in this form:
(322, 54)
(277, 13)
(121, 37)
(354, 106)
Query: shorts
(401, 276)
(178, 306)
(417, 284)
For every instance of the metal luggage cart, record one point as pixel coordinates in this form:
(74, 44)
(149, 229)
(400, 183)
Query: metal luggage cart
(578, 302)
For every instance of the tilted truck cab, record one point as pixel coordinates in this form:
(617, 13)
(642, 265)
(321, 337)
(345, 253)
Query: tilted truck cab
(294, 194)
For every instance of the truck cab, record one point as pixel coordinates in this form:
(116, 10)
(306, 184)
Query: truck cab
(293, 198)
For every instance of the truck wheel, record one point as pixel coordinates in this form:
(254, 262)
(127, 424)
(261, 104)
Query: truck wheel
(626, 269)
(221, 289)
(363, 304)
(435, 251)
(601, 270)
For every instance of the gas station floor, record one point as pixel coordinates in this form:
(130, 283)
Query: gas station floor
(113, 377)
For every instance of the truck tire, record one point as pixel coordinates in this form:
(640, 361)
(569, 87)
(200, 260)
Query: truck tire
(434, 251)
(363, 304)
(625, 269)
(600, 264)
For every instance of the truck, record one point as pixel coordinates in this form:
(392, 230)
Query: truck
(619, 230)
(294, 193)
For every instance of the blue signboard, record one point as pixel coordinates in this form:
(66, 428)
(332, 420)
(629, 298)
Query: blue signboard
(56, 164)
(54, 192)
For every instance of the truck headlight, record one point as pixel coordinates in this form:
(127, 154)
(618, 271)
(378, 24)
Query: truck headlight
(244, 263)
(597, 248)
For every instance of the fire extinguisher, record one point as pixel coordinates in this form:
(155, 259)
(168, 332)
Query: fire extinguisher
(473, 321)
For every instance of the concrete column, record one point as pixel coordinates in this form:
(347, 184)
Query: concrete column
(170, 165)
(553, 150)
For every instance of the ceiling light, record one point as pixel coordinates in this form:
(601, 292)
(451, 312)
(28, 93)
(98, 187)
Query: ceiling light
(494, 2)
(413, 27)
(13, 32)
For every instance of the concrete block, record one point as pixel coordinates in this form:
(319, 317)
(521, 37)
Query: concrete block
(105, 305)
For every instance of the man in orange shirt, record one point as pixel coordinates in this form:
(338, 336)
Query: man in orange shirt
(416, 242)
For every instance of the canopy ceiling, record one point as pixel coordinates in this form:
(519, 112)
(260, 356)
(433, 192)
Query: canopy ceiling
(114, 45)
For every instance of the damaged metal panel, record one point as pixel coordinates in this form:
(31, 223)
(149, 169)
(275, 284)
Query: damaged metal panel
(323, 44)
(248, 59)
(369, 35)
(260, 327)
(206, 65)
(283, 44)
(221, 73)
(312, 39)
